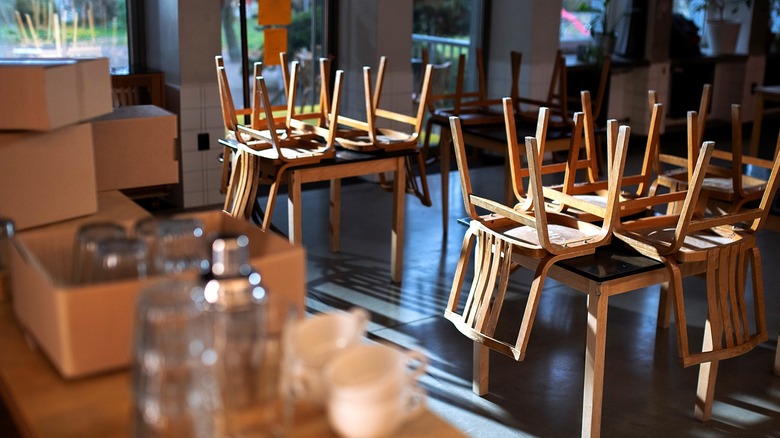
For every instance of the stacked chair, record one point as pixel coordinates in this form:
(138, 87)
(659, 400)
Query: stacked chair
(277, 138)
(554, 223)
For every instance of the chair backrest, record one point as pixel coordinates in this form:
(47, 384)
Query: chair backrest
(138, 89)
(375, 113)
(262, 102)
(695, 136)
(539, 218)
(517, 171)
(229, 112)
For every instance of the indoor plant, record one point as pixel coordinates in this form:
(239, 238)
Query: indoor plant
(722, 34)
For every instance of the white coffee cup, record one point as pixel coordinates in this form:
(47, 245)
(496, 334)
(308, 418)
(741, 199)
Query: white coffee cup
(372, 389)
(311, 342)
(355, 418)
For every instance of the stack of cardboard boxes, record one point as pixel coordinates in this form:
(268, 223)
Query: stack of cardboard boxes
(64, 154)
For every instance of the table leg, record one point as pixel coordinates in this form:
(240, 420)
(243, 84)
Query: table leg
(594, 364)
(335, 215)
(294, 229)
(444, 161)
(397, 237)
(758, 115)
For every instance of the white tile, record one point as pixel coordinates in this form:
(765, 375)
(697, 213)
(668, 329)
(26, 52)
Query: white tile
(213, 118)
(193, 181)
(191, 119)
(189, 140)
(191, 161)
(190, 97)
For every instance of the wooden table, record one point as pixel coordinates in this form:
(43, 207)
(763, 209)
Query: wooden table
(611, 271)
(350, 164)
(347, 164)
(43, 404)
(763, 93)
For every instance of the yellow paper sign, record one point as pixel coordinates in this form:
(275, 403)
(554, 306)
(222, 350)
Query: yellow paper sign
(274, 12)
(275, 43)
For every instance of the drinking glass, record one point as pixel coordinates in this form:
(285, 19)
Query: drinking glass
(119, 258)
(175, 244)
(175, 391)
(85, 248)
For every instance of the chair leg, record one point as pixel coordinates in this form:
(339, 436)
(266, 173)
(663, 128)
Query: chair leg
(664, 306)
(481, 369)
(272, 192)
(533, 303)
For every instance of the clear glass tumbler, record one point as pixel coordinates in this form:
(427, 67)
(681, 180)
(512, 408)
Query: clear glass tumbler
(175, 391)
(86, 241)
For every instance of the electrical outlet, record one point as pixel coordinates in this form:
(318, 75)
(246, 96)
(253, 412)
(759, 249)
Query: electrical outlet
(203, 141)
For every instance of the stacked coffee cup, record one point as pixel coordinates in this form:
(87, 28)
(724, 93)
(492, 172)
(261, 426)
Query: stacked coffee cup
(369, 390)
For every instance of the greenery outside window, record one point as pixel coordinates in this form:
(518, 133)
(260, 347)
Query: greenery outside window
(65, 28)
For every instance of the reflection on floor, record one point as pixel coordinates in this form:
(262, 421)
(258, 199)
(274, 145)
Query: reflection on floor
(646, 391)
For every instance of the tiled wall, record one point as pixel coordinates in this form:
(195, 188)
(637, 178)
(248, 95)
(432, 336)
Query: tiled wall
(201, 170)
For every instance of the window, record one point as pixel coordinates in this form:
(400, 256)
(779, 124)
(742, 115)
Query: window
(305, 35)
(577, 18)
(65, 28)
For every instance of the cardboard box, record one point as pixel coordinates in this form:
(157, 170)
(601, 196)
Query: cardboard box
(88, 329)
(47, 177)
(46, 94)
(135, 146)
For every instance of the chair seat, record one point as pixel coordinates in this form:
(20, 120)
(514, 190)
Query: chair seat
(749, 184)
(695, 247)
(561, 231)
(386, 139)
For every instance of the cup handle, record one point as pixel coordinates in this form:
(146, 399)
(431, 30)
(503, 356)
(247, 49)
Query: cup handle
(362, 317)
(415, 403)
(422, 363)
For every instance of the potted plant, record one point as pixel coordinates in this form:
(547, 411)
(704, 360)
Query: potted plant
(722, 34)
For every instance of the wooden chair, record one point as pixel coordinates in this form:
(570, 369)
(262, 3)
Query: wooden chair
(284, 153)
(138, 89)
(506, 235)
(726, 184)
(720, 247)
(371, 134)
(472, 107)
(230, 118)
(669, 168)
(586, 200)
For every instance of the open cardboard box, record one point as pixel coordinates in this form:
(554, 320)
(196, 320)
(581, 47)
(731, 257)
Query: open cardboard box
(85, 330)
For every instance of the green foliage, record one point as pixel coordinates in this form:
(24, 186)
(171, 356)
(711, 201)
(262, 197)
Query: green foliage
(721, 5)
(443, 18)
(603, 20)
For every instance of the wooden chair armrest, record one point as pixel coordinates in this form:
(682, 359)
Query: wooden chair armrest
(398, 117)
(726, 219)
(353, 123)
(503, 210)
(673, 160)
